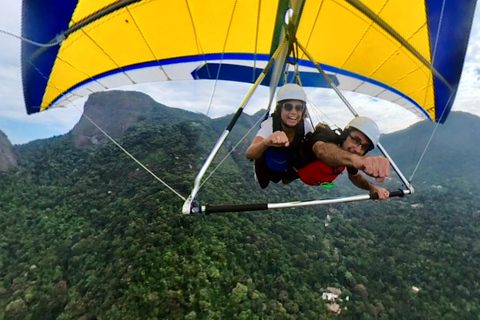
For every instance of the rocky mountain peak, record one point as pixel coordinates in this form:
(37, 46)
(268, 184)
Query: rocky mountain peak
(8, 160)
(114, 112)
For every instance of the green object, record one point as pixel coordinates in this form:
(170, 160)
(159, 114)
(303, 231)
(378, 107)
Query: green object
(327, 185)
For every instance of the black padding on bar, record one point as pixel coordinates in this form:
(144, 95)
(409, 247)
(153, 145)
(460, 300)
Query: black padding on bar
(234, 120)
(396, 193)
(236, 208)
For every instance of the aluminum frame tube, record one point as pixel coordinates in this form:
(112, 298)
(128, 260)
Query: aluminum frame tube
(285, 205)
(188, 206)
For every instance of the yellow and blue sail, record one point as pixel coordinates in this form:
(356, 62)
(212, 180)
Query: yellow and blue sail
(409, 52)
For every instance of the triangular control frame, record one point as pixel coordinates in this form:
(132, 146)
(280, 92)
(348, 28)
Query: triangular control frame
(276, 65)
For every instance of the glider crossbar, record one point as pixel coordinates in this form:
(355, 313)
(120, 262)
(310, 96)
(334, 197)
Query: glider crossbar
(268, 206)
(355, 113)
(188, 206)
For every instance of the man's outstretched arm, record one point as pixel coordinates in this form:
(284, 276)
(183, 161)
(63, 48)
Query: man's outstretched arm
(333, 155)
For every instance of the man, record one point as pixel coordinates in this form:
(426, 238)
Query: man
(325, 155)
(280, 136)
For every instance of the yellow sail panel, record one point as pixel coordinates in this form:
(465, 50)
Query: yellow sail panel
(93, 50)
(148, 31)
(383, 48)
(232, 26)
(406, 17)
(352, 42)
(412, 24)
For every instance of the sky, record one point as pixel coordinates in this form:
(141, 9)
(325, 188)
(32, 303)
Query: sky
(211, 98)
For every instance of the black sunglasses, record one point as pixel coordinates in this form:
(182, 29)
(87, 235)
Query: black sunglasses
(358, 142)
(289, 107)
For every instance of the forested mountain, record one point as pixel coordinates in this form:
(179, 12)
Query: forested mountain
(115, 111)
(85, 233)
(451, 154)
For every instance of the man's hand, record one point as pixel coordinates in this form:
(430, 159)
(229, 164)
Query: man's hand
(277, 139)
(376, 167)
(381, 192)
(322, 125)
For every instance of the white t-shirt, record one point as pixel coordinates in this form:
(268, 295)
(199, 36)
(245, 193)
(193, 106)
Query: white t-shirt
(266, 128)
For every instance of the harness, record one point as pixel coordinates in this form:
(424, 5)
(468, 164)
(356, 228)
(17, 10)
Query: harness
(279, 159)
(311, 170)
(317, 172)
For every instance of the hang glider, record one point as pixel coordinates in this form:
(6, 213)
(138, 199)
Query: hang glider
(408, 52)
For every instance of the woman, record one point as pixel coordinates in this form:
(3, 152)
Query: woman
(280, 136)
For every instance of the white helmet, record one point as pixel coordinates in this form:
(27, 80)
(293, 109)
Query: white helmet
(367, 126)
(291, 91)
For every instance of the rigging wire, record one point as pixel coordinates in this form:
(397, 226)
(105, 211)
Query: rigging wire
(315, 110)
(256, 40)
(221, 59)
(430, 140)
(448, 102)
(129, 154)
(95, 124)
(144, 38)
(438, 31)
(260, 119)
(299, 82)
(320, 115)
(212, 95)
(58, 39)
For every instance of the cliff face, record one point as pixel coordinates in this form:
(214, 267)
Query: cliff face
(114, 112)
(8, 160)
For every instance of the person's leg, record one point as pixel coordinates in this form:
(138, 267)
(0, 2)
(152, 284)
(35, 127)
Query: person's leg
(262, 172)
